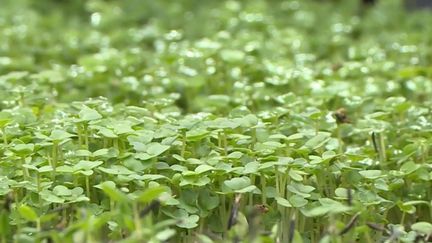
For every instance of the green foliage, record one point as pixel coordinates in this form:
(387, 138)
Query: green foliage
(214, 121)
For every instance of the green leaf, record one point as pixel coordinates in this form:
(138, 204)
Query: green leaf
(370, 174)
(122, 127)
(23, 149)
(86, 165)
(50, 197)
(295, 136)
(381, 184)
(65, 169)
(422, 227)
(195, 180)
(406, 207)
(135, 165)
(207, 201)
(341, 193)
(238, 183)
(204, 239)
(283, 202)
(151, 193)
(107, 132)
(300, 189)
(4, 122)
(235, 155)
(330, 202)
(197, 134)
(62, 191)
(317, 211)
(116, 170)
(223, 123)
(327, 206)
(186, 221)
(143, 156)
(297, 237)
(318, 141)
(28, 213)
(46, 168)
(110, 189)
(88, 114)
(232, 56)
(14, 75)
(203, 168)
(250, 188)
(60, 135)
(296, 175)
(83, 153)
(297, 201)
(165, 234)
(409, 167)
(251, 167)
(100, 152)
(155, 149)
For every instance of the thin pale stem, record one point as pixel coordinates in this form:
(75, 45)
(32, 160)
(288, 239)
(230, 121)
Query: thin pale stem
(5, 140)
